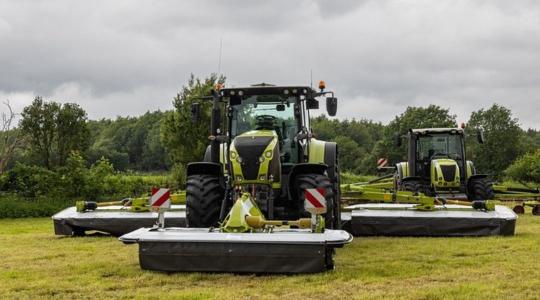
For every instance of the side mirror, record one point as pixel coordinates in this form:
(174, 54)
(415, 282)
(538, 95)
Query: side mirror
(480, 137)
(397, 139)
(280, 107)
(195, 112)
(331, 106)
(312, 104)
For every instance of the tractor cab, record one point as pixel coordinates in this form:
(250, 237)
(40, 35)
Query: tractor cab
(271, 112)
(437, 154)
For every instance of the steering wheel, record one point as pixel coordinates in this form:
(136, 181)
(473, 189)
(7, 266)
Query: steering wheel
(439, 155)
(266, 122)
(454, 156)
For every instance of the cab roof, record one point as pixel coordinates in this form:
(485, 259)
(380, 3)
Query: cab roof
(437, 130)
(266, 89)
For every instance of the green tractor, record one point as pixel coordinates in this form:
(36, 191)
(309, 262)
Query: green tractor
(437, 165)
(263, 146)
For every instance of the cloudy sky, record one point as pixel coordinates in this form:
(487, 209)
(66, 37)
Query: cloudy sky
(127, 57)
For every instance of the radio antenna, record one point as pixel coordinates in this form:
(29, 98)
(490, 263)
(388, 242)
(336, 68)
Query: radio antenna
(311, 78)
(220, 53)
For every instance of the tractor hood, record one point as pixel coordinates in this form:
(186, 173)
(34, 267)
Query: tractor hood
(255, 159)
(445, 173)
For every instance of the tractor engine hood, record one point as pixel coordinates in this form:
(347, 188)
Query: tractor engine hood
(445, 173)
(255, 158)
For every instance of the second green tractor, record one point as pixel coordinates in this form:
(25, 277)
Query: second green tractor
(437, 165)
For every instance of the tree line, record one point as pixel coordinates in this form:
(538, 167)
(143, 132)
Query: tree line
(51, 135)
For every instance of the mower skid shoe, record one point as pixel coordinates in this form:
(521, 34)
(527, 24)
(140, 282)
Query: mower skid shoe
(198, 250)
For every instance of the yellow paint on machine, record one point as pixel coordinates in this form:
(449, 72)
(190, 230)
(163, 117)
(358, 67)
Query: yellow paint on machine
(316, 151)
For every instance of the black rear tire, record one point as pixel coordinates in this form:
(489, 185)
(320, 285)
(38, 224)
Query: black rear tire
(411, 186)
(309, 181)
(204, 194)
(480, 189)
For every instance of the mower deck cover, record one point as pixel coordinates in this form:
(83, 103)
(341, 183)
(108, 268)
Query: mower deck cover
(202, 250)
(451, 220)
(114, 220)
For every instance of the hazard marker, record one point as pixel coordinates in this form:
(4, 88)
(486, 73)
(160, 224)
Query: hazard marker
(315, 201)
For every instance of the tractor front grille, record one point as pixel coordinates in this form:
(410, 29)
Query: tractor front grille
(250, 149)
(449, 173)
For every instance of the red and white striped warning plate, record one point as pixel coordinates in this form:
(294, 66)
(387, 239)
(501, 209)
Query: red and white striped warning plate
(382, 162)
(160, 198)
(315, 201)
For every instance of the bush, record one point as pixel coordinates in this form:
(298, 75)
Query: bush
(32, 181)
(525, 168)
(178, 175)
(13, 206)
(347, 178)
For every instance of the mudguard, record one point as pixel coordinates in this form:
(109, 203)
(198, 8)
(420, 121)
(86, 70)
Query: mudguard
(204, 168)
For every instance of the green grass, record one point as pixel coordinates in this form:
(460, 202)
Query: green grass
(34, 263)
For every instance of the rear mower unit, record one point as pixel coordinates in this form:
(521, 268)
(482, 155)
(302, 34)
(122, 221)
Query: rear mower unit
(115, 217)
(379, 210)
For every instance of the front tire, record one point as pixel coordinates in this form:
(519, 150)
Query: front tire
(480, 189)
(311, 181)
(204, 194)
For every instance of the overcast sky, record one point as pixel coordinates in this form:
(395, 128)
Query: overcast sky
(128, 57)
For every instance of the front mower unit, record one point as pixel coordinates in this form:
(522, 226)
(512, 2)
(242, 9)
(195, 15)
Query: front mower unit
(207, 250)
(245, 243)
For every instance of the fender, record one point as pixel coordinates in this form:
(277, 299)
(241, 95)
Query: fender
(204, 168)
(206, 157)
(478, 176)
(330, 159)
(402, 170)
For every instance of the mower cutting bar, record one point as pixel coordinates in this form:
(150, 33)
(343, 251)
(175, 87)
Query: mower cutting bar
(201, 250)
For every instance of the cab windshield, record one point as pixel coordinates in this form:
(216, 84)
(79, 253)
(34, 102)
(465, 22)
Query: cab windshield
(268, 112)
(278, 113)
(432, 146)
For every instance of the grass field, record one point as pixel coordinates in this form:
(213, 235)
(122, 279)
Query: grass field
(36, 264)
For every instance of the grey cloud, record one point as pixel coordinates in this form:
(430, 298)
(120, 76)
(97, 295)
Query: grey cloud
(118, 58)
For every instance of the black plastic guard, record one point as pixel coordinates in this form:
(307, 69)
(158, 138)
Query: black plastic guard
(234, 257)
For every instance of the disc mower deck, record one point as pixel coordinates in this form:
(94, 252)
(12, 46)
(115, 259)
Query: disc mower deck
(403, 220)
(359, 220)
(203, 250)
(115, 220)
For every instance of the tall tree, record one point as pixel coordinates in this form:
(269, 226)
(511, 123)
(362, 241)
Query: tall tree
(72, 131)
(184, 140)
(503, 139)
(54, 130)
(414, 117)
(10, 138)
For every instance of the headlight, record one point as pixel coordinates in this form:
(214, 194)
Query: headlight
(233, 155)
(261, 159)
(239, 160)
(268, 153)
